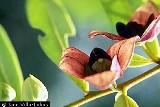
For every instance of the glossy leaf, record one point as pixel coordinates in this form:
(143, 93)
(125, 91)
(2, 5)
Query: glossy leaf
(122, 100)
(120, 10)
(138, 61)
(10, 71)
(117, 96)
(85, 17)
(52, 18)
(152, 49)
(155, 1)
(83, 85)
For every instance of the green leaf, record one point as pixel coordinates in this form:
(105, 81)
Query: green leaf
(154, 1)
(157, 3)
(52, 18)
(85, 17)
(117, 96)
(120, 10)
(84, 86)
(152, 49)
(10, 71)
(138, 61)
(122, 100)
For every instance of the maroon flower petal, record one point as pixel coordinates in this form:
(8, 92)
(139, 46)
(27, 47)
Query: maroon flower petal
(114, 49)
(105, 34)
(124, 50)
(73, 61)
(142, 14)
(76, 54)
(152, 31)
(73, 67)
(102, 80)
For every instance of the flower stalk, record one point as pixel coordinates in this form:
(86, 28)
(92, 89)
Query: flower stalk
(130, 83)
(91, 96)
(120, 88)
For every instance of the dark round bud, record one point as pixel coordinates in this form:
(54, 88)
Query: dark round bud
(96, 54)
(120, 27)
(133, 29)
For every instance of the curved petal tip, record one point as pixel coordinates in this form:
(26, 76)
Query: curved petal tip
(105, 34)
(152, 31)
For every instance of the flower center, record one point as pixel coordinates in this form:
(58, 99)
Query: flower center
(101, 65)
(99, 61)
(132, 29)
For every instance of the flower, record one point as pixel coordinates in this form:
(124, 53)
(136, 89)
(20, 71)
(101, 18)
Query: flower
(100, 68)
(145, 22)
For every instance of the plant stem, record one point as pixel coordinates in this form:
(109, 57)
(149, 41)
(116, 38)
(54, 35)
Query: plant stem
(91, 96)
(120, 88)
(128, 84)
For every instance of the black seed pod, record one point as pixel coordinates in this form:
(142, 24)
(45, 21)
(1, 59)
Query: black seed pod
(120, 27)
(96, 54)
(133, 29)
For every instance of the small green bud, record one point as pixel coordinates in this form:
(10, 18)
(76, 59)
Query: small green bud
(7, 93)
(34, 90)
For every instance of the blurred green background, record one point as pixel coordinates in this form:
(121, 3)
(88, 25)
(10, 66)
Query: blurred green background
(87, 15)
